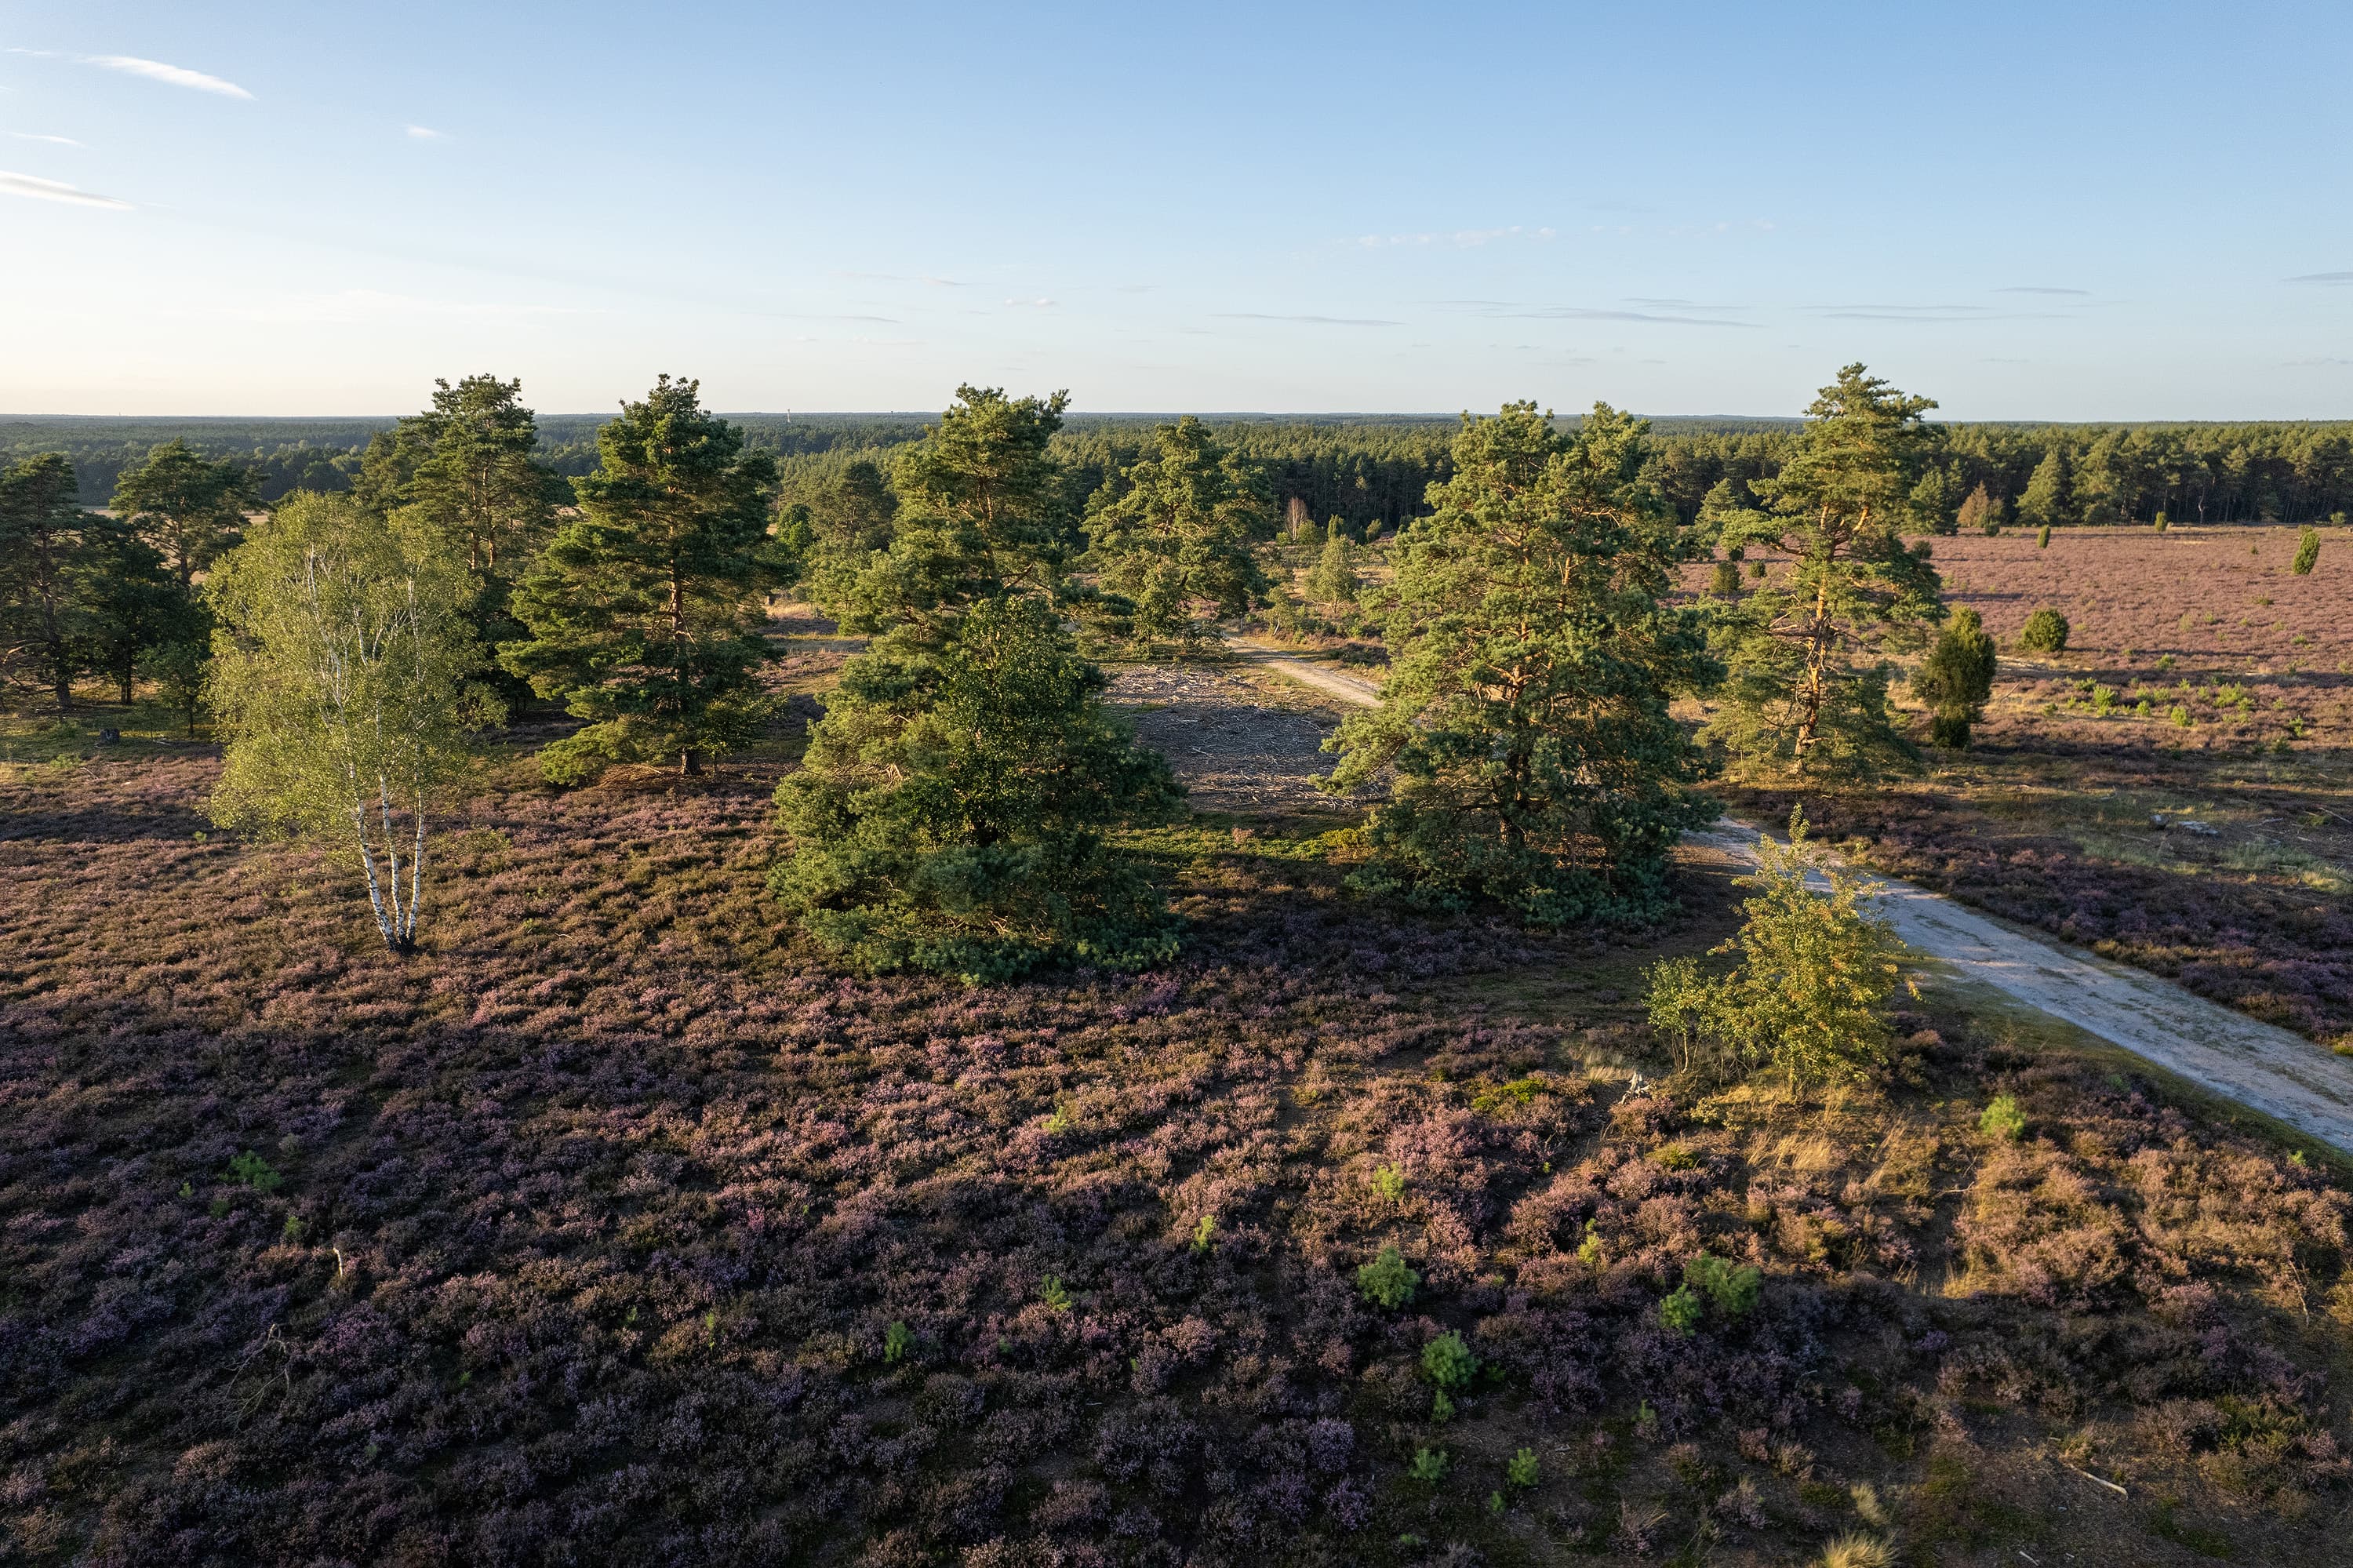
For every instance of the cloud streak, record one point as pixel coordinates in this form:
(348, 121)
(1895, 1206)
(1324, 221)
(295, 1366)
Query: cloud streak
(1310, 320)
(52, 141)
(425, 133)
(171, 75)
(2031, 289)
(2323, 278)
(1503, 311)
(33, 187)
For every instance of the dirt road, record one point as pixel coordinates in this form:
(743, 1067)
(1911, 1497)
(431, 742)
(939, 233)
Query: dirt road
(2266, 1069)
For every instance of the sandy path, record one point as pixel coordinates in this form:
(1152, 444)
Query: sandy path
(2282, 1075)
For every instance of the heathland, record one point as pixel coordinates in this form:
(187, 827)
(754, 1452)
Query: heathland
(623, 1217)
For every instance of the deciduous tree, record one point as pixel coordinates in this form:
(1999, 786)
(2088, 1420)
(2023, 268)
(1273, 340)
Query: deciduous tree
(342, 690)
(1532, 661)
(643, 614)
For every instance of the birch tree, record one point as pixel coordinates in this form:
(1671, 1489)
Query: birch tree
(341, 684)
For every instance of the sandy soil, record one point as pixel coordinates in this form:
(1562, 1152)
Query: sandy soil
(2268, 1070)
(1239, 742)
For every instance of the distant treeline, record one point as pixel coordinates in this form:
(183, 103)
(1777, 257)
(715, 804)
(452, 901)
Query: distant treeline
(1375, 469)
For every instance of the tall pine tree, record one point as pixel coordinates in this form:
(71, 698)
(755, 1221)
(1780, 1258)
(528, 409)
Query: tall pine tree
(1534, 658)
(1809, 649)
(644, 613)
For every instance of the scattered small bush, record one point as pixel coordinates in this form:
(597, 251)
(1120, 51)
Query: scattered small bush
(897, 1341)
(1732, 1288)
(250, 1170)
(1524, 1469)
(1386, 1281)
(2307, 553)
(1447, 1361)
(2002, 1120)
(2045, 631)
(1430, 1466)
(1682, 1311)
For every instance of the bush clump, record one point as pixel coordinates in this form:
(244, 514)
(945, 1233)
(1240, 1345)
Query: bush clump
(1387, 1282)
(2002, 1120)
(2307, 553)
(2045, 631)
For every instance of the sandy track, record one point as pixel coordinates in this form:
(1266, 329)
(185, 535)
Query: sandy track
(2267, 1069)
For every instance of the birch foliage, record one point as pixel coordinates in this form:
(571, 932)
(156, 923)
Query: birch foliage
(341, 684)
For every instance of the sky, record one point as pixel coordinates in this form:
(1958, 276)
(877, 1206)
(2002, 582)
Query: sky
(2025, 211)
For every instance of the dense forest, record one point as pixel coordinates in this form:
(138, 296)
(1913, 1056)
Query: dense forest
(1366, 470)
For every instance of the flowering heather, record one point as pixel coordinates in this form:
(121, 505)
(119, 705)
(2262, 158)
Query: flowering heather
(615, 1227)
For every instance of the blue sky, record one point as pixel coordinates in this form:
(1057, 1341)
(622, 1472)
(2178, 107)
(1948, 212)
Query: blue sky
(2024, 211)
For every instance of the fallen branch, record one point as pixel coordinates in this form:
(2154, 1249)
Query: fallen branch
(2096, 1480)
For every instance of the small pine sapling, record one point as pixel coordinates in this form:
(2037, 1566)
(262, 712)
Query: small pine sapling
(1052, 1292)
(2042, 537)
(897, 1341)
(252, 1169)
(1386, 1281)
(1430, 1466)
(1525, 1469)
(1681, 1311)
(2002, 1120)
(1731, 1289)
(1203, 1233)
(1390, 1183)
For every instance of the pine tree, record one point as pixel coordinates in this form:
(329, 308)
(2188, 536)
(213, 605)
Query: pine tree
(1534, 658)
(46, 563)
(188, 508)
(1807, 650)
(951, 811)
(643, 615)
(1173, 537)
(1333, 582)
(1957, 679)
(135, 605)
(2049, 500)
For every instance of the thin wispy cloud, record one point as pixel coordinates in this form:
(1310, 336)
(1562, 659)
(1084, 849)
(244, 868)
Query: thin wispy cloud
(1505, 311)
(1041, 303)
(2323, 278)
(1310, 320)
(1927, 315)
(1459, 239)
(52, 141)
(2314, 364)
(425, 133)
(171, 75)
(2032, 289)
(35, 189)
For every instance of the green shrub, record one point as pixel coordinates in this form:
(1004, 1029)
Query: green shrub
(2042, 538)
(1732, 1288)
(2045, 632)
(1523, 1469)
(1390, 1183)
(1956, 679)
(1054, 1295)
(1386, 1281)
(1724, 581)
(897, 1341)
(1448, 1361)
(1682, 1311)
(254, 1172)
(2160, 524)
(2307, 552)
(2002, 1120)
(1203, 1233)
(1428, 1466)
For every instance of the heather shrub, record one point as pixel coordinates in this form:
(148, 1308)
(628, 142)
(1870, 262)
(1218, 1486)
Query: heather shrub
(951, 813)
(2045, 631)
(1386, 1281)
